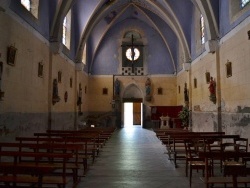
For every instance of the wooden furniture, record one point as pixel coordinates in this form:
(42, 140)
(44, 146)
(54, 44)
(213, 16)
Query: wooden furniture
(73, 163)
(174, 142)
(171, 111)
(84, 153)
(193, 147)
(48, 158)
(90, 140)
(234, 179)
(14, 172)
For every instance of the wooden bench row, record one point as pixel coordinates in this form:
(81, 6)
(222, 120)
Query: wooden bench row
(60, 153)
(234, 179)
(175, 146)
(174, 141)
(14, 172)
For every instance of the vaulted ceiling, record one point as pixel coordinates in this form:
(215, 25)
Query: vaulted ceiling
(167, 22)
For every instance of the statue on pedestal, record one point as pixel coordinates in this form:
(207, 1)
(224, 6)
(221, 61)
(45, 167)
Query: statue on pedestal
(212, 90)
(117, 87)
(148, 89)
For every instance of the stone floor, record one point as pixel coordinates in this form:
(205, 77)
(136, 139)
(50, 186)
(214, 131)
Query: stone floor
(134, 158)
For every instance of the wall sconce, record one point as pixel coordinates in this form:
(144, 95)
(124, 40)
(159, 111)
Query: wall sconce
(229, 69)
(207, 77)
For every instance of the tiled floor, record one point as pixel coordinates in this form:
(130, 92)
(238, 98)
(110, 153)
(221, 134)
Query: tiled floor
(134, 158)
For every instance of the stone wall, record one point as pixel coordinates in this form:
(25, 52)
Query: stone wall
(27, 103)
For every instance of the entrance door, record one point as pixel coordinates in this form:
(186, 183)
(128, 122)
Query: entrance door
(137, 113)
(132, 108)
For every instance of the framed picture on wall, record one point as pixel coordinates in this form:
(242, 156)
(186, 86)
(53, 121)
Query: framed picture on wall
(105, 91)
(195, 82)
(11, 55)
(159, 91)
(40, 69)
(229, 69)
(207, 76)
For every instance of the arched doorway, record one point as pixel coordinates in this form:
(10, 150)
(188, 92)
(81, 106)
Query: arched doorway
(132, 106)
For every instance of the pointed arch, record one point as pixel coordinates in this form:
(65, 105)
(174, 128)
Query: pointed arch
(132, 90)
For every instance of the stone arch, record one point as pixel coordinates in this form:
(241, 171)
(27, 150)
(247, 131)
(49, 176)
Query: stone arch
(133, 91)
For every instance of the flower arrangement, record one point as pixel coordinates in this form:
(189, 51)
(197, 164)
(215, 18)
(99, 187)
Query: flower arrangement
(184, 116)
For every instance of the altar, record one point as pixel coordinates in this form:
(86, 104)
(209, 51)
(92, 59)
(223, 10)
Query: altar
(166, 116)
(165, 122)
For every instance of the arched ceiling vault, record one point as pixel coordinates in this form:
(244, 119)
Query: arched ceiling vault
(164, 9)
(152, 23)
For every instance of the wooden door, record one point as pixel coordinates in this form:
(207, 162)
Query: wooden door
(137, 113)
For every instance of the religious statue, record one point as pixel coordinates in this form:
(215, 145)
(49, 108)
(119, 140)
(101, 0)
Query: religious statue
(186, 99)
(148, 89)
(79, 99)
(55, 96)
(1, 73)
(117, 87)
(212, 90)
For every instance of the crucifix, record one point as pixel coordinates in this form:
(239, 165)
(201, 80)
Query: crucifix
(132, 52)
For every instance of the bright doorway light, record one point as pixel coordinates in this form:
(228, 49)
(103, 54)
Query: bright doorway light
(128, 114)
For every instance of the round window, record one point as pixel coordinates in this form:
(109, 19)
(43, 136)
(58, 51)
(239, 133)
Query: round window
(129, 54)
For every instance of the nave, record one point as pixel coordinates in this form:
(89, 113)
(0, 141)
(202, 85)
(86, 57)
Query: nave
(134, 158)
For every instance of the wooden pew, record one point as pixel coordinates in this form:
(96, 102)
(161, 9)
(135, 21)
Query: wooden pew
(103, 133)
(165, 137)
(234, 179)
(88, 147)
(162, 132)
(90, 141)
(175, 143)
(93, 138)
(73, 163)
(36, 174)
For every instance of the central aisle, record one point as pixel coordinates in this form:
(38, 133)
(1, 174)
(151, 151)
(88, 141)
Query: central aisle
(134, 158)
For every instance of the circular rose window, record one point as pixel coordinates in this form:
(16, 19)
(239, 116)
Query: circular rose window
(129, 54)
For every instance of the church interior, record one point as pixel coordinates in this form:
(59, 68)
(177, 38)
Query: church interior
(75, 64)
